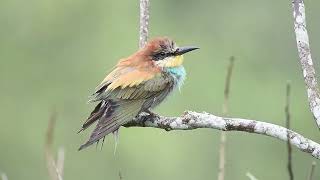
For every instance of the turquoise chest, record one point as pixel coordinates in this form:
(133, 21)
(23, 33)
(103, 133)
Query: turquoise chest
(178, 74)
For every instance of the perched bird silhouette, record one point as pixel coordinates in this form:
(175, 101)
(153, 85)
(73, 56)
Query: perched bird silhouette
(137, 83)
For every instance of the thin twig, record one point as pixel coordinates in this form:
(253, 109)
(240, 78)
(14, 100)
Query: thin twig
(306, 62)
(287, 112)
(222, 156)
(227, 85)
(250, 176)
(313, 166)
(60, 161)
(51, 165)
(144, 22)
(192, 120)
(223, 137)
(120, 175)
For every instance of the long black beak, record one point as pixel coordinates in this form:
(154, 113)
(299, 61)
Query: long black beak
(185, 49)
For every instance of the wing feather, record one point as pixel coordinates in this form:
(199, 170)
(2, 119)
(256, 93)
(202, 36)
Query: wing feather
(133, 84)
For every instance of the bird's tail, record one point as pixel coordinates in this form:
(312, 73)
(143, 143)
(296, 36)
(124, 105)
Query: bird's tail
(110, 116)
(96, 114)
(103, 110)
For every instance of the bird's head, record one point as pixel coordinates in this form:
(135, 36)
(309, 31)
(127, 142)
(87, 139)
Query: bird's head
(165, 53)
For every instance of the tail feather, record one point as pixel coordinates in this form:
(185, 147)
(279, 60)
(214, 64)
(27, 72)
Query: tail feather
(113, 116)
(116, 141)
(95, 115)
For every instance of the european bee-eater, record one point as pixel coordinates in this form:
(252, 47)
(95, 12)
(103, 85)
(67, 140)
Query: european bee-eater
(136, 84)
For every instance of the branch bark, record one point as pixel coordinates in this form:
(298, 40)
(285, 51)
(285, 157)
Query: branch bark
(306, 62)
(194, 120)
(144, 22)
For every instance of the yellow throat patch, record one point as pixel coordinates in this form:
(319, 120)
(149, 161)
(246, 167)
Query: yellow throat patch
(174, 61)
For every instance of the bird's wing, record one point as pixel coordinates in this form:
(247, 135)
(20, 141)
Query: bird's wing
(129, 83)
(122, 99)
(147, 88)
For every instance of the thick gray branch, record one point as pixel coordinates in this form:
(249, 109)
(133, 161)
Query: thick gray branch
(308, 70)
(144, 22)
(193, 120)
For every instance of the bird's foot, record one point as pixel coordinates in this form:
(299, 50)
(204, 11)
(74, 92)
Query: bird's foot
(152, 114)
(149, 117)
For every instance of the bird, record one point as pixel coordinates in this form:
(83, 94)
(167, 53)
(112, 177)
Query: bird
(136, 84)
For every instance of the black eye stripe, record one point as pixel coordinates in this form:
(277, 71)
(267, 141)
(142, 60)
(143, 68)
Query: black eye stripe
(161, 55)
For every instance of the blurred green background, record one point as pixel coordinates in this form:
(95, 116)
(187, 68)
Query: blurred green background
(54, 52)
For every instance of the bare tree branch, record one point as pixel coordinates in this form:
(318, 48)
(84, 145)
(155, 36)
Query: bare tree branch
(313, 166)
(287, 112)
(144, 22)
(193, 120)
(304, 51)
(223, 137)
